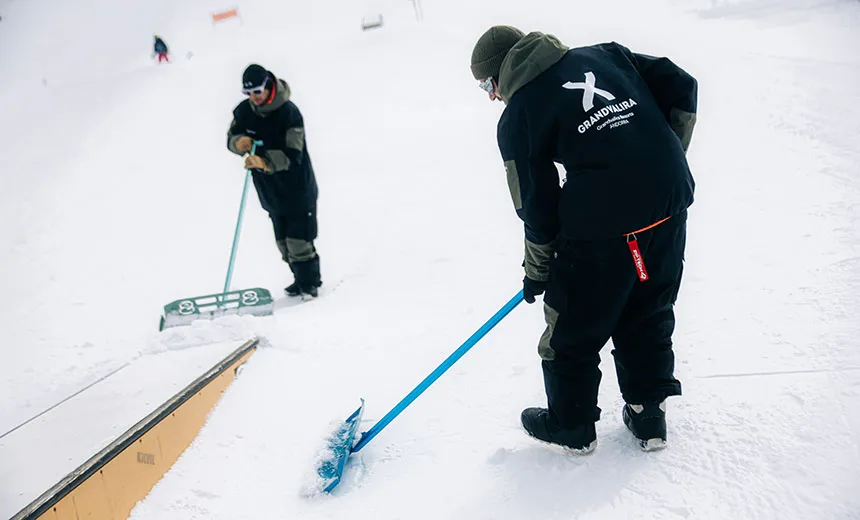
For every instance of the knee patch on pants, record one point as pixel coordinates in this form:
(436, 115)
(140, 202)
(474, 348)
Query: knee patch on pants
(296, 250)
(282, 247)
(545, 351)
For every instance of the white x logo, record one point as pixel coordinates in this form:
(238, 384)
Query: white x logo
(589, 91)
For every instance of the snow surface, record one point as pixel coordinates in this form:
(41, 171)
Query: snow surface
(118, 196)
(92, 419)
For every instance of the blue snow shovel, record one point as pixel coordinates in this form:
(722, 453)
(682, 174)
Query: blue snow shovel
(340, 444)
(256, 301)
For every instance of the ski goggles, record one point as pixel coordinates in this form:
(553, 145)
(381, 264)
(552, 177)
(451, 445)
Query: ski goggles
(256, 90)
(487, 85)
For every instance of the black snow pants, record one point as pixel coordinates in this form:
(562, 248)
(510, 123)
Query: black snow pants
(295, 236)
(594, 293)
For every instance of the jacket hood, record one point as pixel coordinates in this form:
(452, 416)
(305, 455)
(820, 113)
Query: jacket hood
(282, 95)
(527, 59)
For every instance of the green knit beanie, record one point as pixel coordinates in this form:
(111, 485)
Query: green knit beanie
(491, 49)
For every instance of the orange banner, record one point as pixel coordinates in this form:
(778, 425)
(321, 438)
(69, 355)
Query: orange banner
(225, 15)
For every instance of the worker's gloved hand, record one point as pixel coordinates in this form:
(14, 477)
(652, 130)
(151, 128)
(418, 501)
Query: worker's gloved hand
(244, 143)
(532, 288)
(255, 162)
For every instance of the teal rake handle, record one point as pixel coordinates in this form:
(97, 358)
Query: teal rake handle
(239, 224)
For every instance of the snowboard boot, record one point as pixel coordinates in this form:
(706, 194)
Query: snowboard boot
(647, 423)
(309, 293)
(293, 289)
(539, 424)
(308, 278)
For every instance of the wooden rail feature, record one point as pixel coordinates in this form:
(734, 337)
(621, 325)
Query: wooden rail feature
(113, 481)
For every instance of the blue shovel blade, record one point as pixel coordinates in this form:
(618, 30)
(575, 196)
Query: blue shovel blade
(339, 447)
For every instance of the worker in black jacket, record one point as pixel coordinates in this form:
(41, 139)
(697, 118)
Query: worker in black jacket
(607, 243)
(282, 171)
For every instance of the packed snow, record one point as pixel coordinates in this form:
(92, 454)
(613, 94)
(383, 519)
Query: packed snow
(120, 196)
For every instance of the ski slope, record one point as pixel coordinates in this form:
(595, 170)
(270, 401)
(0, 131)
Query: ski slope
(119, 196)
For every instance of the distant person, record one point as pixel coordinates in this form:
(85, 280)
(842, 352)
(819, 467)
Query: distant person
(282, 172)
(608, 245)
(160, 49)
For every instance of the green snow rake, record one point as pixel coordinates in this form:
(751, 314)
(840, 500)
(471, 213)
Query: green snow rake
(255, 301)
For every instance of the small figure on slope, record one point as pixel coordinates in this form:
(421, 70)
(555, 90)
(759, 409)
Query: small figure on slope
(160, 49)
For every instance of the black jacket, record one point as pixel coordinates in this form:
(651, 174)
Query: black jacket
(290, 187)
(615, 120)
(159, 46)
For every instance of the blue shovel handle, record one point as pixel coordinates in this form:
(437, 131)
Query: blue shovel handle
(441, 369)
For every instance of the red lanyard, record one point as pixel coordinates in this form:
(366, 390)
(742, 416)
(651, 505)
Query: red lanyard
(636, 253)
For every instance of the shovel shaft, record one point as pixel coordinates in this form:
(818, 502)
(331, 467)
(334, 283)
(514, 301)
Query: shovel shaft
(238, 225)
(441, 369)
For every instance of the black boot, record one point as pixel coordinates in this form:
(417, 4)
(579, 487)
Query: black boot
(647, 423)
(293, 289)
(540, 425)
(307, 277)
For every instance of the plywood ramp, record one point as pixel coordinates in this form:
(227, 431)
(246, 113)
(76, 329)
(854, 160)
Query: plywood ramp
(112, 482)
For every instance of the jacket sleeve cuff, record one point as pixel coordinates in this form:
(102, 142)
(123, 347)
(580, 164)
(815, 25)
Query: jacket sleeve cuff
(277, 160)
(537, 260)
(231, 143)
